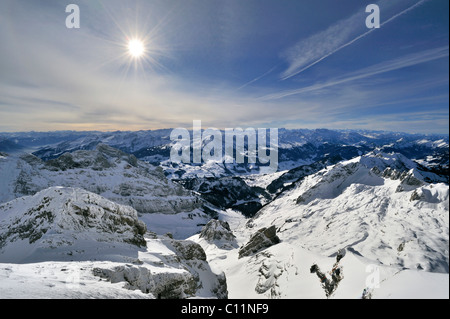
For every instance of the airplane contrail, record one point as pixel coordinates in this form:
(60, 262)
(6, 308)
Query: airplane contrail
(355, 39)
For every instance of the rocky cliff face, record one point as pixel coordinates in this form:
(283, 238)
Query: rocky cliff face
(190, 277)
(60, 221)
(115, 175)
(69, 227)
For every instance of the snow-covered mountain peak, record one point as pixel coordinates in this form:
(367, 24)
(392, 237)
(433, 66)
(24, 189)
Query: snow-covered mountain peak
(114, 175)
(352, 205)
(68, 241)
(393, 165)
(59, 220)
(382, 160)
(103, 157)
(381, 198)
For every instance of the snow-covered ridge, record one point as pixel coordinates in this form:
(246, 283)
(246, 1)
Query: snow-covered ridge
(355, 193)
(111, 173)
(73, 243)
(381, 209)
(357, 205)
(296, 147)
(61, 221)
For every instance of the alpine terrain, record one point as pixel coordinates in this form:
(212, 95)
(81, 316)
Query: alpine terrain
(348, 214)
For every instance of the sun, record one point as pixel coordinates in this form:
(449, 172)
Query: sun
(136, 48)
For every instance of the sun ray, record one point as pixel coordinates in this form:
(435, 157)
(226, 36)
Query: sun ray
(137, 45)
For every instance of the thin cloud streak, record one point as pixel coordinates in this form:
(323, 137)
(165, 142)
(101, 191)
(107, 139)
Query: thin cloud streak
(333, 30)
(53, 78)
(384, 67)
(257, 78)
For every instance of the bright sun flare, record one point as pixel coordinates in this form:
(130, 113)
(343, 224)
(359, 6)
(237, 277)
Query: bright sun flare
(136, 48)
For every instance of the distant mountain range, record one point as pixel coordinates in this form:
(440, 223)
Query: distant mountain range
(296, 147)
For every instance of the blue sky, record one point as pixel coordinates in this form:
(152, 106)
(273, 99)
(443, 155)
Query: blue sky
(228, 63)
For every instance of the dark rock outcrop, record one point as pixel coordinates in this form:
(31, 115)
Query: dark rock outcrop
(189, 250)
(219, 233)
(263, 238)
(330, 285)
(217, 230)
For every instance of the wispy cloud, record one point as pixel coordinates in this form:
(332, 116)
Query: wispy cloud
(320, 46)
(379, 68)
(53, 78)
(257, 78)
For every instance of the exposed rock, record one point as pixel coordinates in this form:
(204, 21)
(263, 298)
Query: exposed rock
(189, 250)
(217, 230)
(391, 173)
(68, 224)
(330, 284)
(409, 179)
(63, 218)
(220, 289)
(31, 159)
(263, 238)
(106, 171)
(229, 192)
(185, 274)
(163, 285)
(416, 196)
(99, 159)
(219, 233)
(192, 258)
(269, 272)
(300, 200)
(425, 194)
(376, 171)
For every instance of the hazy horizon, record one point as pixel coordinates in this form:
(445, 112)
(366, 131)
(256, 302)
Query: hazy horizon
(243, 127)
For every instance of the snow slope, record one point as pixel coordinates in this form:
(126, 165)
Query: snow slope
(115, 175)
(387, 216)
(401, 222)
(70, 243)
(392, 225)
(65, 222)
(283, 272)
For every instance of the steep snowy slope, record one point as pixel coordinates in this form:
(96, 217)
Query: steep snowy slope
(378, 211)
(70, 243)
(65, 222)
(113, 174)
(375, 206)
(340, 226)
(283, 271)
